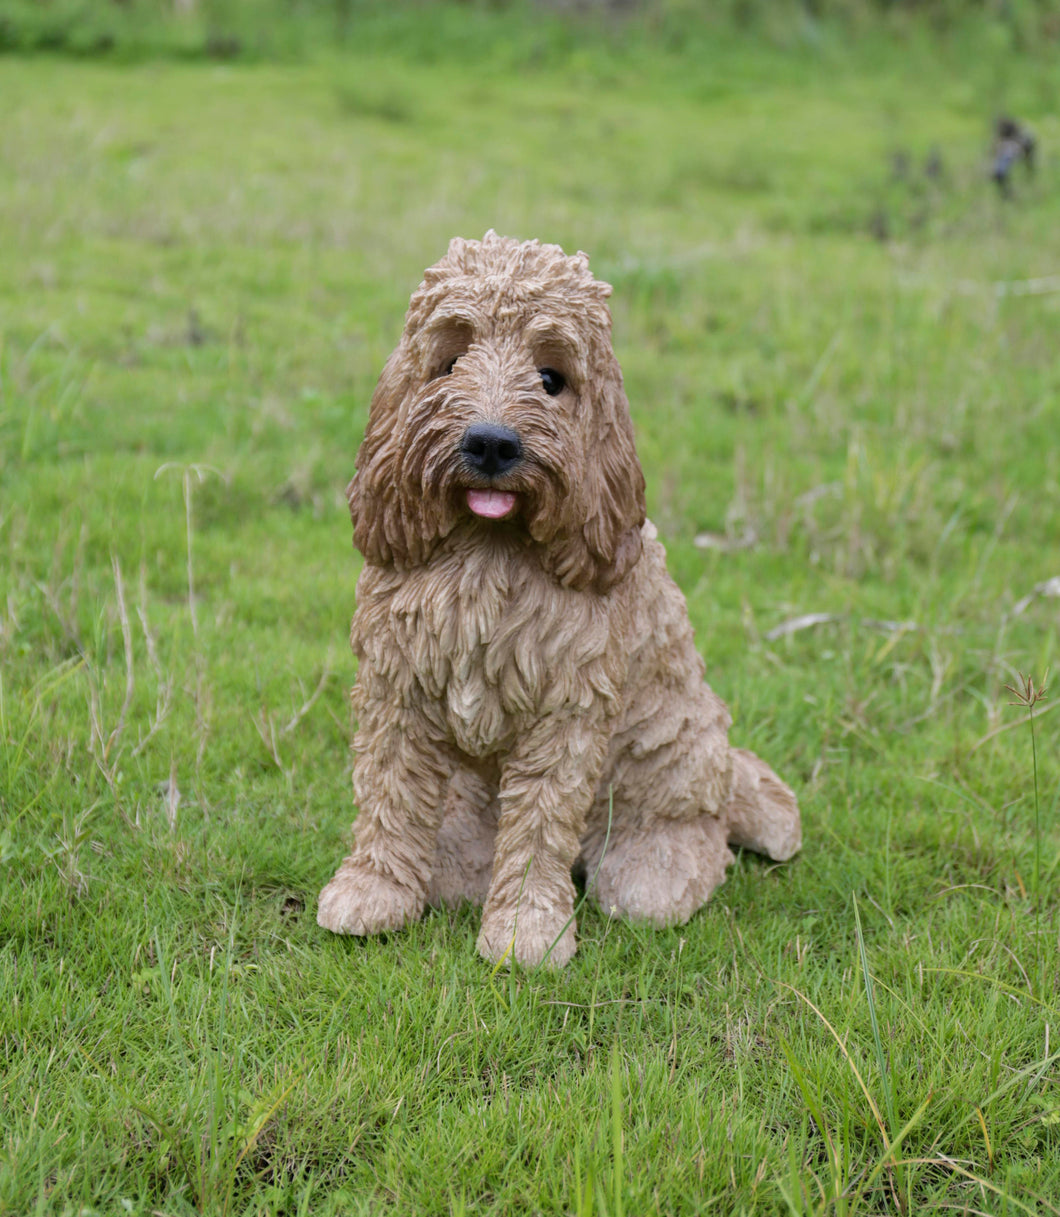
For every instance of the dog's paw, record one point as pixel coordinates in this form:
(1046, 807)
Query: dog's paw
(360, 901)
(663, 873)
(539, 937)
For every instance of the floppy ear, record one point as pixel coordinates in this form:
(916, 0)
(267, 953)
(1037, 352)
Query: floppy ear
(602, 542)
(616, 487)
(382, 529)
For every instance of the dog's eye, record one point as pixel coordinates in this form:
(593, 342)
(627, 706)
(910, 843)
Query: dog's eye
(552, 380)
(450, 365)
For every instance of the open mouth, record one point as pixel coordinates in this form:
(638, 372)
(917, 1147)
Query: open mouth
(491, 504)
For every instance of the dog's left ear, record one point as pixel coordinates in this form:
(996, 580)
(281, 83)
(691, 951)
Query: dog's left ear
(615, 481)
(601, 542)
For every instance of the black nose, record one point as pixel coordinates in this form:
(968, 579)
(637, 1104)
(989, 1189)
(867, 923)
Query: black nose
(491, 450)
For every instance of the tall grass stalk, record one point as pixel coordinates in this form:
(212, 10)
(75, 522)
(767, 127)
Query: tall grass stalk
(617, 1198)
(590, 883)
(1028, 694)
(881, 1059)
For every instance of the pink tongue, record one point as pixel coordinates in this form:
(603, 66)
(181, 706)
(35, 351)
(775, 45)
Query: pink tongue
(492, 504)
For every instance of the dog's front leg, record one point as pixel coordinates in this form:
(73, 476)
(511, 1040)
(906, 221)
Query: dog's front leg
(547, 787)
(399, 777)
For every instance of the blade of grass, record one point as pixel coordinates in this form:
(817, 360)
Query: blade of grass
(589, 885)
(881, 1060)
(617, 1198)
(847, 1057)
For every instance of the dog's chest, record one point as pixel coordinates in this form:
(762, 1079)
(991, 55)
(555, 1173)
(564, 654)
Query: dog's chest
(487, 645)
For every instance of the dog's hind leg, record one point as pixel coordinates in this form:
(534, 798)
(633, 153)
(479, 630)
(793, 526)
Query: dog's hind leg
(675, 811)
(463, 853)
(660, 871)
(668, 782)
(661, 868)
(762, 813)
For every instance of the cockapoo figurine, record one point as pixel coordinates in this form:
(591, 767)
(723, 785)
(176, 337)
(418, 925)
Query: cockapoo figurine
(528, 697)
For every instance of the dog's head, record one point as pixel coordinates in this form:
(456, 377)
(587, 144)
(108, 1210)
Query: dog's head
(503, 407)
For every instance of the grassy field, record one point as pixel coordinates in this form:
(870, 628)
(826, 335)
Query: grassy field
(845, 380)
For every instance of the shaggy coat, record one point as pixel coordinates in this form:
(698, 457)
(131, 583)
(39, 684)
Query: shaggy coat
(529, 695)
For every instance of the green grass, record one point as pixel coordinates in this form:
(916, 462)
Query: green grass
(203, 268)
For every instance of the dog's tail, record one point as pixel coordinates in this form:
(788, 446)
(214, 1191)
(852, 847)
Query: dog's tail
(763, 812)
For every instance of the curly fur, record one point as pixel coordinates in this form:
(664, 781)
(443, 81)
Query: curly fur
(526, 682)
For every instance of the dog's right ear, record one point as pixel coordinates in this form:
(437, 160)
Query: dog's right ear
(379, 530)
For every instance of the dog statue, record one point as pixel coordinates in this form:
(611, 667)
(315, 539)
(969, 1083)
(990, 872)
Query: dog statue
(529, 697)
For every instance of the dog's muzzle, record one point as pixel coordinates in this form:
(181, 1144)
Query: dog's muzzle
(489, 451)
